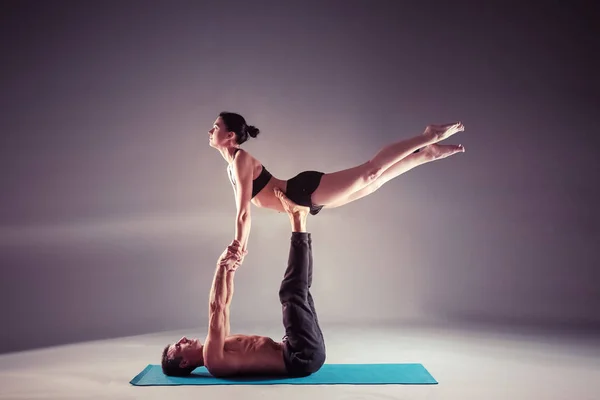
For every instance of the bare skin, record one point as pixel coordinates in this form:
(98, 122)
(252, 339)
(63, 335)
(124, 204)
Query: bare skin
(338, 186)
(428, 154)
(224, 354)
(245, 355)
(295, 212)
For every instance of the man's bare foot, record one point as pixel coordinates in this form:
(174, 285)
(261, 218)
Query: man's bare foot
(441, 132)
(289, 206)
(439, 151)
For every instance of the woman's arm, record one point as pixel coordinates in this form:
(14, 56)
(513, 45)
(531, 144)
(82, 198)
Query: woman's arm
(242, 171)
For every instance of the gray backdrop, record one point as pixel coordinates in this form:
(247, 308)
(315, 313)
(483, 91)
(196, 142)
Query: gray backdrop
(114, 208)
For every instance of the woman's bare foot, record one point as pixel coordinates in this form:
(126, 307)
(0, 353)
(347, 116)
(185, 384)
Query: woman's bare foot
(441, 132)
(439, 151)
(289, 206)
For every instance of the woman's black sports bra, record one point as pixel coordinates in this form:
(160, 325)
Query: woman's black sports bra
(257, 184)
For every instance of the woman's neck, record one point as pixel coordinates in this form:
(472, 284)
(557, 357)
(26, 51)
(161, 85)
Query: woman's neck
(228, 153)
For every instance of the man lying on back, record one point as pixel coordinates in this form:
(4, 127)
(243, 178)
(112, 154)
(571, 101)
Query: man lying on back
(301, 351)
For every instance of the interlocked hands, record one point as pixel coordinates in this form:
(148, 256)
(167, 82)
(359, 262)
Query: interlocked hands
(233, 256)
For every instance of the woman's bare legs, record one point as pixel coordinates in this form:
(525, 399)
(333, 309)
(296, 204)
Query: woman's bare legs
(430, 153)
(338, 186)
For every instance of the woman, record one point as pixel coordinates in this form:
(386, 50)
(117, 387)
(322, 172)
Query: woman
(253, 183)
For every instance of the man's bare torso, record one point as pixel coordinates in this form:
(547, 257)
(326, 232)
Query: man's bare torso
(250, 355)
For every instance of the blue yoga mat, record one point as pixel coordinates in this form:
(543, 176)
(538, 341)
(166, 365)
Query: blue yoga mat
(329, 374)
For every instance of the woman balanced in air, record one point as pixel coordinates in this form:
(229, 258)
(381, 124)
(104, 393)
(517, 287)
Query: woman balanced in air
(253, 183)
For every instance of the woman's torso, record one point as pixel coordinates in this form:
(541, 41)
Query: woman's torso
(265, 198)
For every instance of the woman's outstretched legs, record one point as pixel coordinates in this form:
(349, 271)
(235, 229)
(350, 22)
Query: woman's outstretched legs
(338, 186)
(429, 153)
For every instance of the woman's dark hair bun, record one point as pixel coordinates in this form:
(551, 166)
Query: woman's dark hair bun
(237, 124)
(252, 131)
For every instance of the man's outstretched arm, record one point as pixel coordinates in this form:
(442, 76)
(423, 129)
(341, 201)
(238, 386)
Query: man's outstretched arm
(218, 310)
(235, 250)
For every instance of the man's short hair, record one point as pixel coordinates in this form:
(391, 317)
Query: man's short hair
(170, 366)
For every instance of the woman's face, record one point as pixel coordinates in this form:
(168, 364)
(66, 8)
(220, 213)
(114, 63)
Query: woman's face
(218, 136)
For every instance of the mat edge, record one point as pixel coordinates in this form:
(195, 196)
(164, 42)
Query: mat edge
(136, 379)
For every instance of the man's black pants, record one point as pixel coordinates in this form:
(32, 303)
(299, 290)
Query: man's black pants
(304, 346)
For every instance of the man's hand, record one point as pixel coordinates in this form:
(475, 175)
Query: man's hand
(233, 256)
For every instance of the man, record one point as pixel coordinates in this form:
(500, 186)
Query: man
(302, 350)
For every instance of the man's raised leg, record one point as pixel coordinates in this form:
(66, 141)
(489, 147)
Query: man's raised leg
(304, 348)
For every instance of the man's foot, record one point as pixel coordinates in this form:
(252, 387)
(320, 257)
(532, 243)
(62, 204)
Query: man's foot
(439, 151)
(441, 132)
(289, 206)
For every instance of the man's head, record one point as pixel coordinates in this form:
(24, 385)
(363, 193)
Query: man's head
(182, 357)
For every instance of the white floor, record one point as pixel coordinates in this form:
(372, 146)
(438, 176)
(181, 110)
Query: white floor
(468, 364)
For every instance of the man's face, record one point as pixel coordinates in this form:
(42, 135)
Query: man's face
(188, 349)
